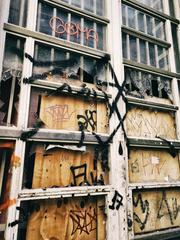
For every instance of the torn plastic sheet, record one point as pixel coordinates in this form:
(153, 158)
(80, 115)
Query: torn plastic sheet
(68, 147)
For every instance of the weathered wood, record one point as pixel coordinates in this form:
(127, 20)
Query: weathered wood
(156, 209)
(152, 166)
(64, 112)
(146, 123)
(53, 168)
(78, 219)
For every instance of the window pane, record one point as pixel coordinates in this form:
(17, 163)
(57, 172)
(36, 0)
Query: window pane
(141, 22)
(131, 17)
(45, 14)
(152, 54)
(149, 21)
(133, 48)
(59, 30)
(124, 45)
(124, 14)
(89, 5)
(101, 33)
(75, 21)
(100, 7)
(143, 51)
(77, 3)
(90, 35)
(18, 12)
(159, 29)
(162, 58)
(176, 46)
(11, 80)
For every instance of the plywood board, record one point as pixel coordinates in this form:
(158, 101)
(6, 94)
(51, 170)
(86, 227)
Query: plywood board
(55, 168)
(67, 221)
(152, 166)
(155, 210)
(146, 123)
(64, 112)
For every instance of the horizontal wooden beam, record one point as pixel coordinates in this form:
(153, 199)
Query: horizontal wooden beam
(152, 143)
(150, 104)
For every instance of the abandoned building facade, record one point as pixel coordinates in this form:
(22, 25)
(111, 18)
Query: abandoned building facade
(89, 119)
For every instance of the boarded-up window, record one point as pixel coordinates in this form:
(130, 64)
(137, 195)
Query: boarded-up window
(156, 210)
(64, 218)
(68, 113)
(152, 166)
(48, 165)
(150, 123)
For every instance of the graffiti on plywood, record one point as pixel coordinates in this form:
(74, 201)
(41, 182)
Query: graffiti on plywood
(59, 113)
(146, 123)
(152, 165)
(155, 210)
(84, 220)
(67, 219)
(87, 120)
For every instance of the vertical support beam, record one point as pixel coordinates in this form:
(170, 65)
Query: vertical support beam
(25, 88)
(118, 218)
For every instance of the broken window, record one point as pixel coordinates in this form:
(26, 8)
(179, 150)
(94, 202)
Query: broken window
(65, 66)
(72, 27)
(63, 218)
(11, 79)
(7, 160)
(147, 85)
(51, 165)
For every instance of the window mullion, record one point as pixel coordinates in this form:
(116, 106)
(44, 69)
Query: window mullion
(32, 14)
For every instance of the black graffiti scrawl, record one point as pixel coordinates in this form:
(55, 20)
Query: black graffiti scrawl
(144, 205)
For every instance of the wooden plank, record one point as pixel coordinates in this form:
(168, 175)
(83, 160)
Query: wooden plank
(64, 112)
(152, 166)
(60, 167)
(146, 123)
(69, 219)
(156, 209)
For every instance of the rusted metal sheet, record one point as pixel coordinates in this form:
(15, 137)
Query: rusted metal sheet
(156, 210)
(146, 123)
(146, 165)
(60, 167)
(67, 219)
